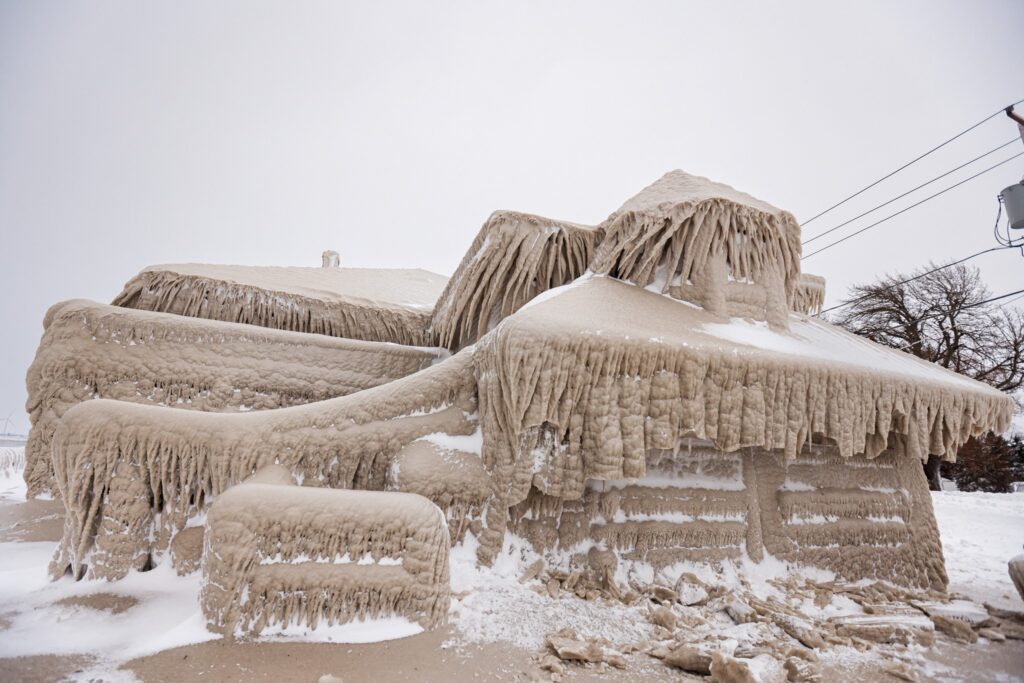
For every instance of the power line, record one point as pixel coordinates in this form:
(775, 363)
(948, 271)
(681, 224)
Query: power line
(938, 177)
(916, 204)
(914, 161)
(917, 277)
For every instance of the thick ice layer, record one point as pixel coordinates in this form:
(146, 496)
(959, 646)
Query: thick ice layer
(859, 518)
(707, 243)
(809, 297)
(92, 350)
(271, 558)
(453, 478)
(357, 303)
(561, 402)
(514, 257)
(586, 383)
(130, 475)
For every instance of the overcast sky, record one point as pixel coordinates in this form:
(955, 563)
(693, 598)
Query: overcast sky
(133, 133)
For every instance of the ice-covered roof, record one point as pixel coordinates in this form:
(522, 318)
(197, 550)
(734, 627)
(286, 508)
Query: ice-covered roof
(680, 187)
(683, 222)
(411, 288)
(736, 382)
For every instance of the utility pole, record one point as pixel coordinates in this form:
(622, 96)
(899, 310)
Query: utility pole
(1013, 196)
(1018, 118)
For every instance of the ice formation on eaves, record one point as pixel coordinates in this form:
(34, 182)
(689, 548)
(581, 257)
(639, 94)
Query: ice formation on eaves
(681, 333)
(514, 257)
(91, 350)
(356, 303)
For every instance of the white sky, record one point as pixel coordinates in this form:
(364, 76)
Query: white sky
(133, 133)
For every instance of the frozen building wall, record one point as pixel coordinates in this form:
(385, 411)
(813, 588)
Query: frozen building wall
(643, 385)
(91, 350)
(858, 517)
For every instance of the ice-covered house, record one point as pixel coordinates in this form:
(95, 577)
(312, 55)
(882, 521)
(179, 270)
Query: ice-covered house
(652, 387)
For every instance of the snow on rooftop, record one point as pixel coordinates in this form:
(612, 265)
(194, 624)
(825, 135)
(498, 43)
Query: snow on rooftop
(410, 288)
(680, 187)
(602, 306)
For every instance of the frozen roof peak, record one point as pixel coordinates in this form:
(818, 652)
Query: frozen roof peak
(679, 187)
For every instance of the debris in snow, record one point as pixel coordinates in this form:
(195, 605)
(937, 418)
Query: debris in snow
(570, 648)
(760, 669)
(901, 671)
(664, 617)
(800, 670)
(689, 659)
(690, 593)
(739, 611)
(902, 629)
(955, 628)
(961, 610)
(532, 571)
(992, 633)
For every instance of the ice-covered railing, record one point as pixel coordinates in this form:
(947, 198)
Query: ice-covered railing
(862, 518)
(12, 461)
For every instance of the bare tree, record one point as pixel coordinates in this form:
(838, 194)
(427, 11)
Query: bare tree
(943, 317)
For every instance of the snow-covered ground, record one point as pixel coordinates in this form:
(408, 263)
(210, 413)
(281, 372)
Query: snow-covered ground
(980, 532)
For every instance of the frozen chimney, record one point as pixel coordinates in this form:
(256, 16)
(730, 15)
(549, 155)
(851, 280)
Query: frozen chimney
(331, 259)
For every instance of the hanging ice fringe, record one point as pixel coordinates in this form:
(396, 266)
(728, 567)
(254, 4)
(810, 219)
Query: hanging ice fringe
(91, 350)
(514, 257)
